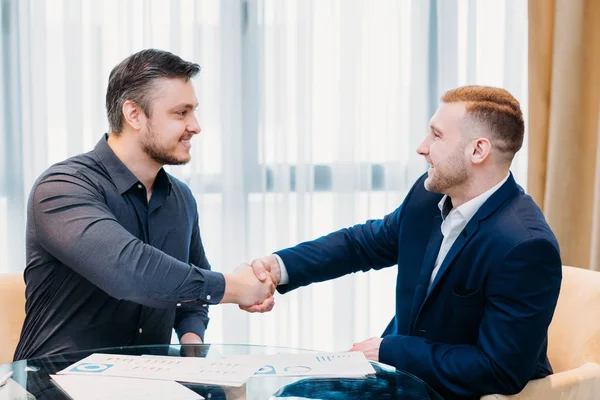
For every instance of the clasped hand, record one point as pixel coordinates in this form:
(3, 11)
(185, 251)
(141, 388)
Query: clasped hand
(244, 288)
(265, 269)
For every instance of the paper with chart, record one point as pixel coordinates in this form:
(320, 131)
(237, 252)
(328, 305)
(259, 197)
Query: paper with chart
(86, 387)
(185, 369)
(341, 365)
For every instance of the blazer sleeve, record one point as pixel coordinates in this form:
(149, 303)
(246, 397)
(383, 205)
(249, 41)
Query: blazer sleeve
(372, 245)
(521, 295)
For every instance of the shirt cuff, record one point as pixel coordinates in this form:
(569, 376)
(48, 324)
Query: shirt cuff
(285, 277)
(213, 288)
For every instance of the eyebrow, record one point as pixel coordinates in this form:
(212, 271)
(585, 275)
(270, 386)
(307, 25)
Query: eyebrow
(187, 106)
(436, 130)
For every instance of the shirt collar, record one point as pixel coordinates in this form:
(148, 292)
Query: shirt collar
(468, 209)
(122, 177)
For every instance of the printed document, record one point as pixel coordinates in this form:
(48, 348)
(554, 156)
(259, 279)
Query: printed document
(185, 369)
(85, 387)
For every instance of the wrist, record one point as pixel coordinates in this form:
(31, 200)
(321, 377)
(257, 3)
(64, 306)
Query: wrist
(231, 289)
(273, 261)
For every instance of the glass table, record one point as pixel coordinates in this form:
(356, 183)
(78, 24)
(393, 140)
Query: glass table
(34, 375)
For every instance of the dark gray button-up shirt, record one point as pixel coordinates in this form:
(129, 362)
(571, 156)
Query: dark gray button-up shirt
(105, 267)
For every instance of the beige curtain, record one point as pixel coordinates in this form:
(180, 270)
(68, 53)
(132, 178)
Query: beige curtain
(564, 113)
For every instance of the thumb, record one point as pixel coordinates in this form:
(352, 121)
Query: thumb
(259, 270)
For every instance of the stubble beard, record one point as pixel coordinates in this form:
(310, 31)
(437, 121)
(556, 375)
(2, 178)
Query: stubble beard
(159, 153)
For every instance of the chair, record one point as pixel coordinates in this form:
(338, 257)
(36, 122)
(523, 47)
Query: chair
(573, 343)
(12, 313)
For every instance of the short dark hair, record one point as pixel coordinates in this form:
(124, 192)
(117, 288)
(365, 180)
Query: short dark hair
(496, 109)
(132, 79)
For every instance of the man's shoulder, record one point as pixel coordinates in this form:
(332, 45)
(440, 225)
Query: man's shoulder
(521, 221)
(81, 165)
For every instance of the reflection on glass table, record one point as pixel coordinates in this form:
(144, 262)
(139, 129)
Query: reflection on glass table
(34, 376)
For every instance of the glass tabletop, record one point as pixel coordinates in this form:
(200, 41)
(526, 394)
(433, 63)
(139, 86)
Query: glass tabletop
(388, 383)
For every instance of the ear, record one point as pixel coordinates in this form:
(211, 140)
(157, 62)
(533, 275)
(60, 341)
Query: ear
(481, 150)
(133, 115)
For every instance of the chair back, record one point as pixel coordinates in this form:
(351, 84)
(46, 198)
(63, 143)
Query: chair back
(574, 334)
(12, 313)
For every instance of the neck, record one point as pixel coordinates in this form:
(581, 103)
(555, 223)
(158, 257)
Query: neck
(128, 150)
(478, 184)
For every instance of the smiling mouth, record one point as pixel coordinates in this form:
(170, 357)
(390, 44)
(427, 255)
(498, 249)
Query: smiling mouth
(186, 142)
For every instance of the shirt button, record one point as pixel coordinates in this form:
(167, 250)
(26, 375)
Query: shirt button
(139, 186)
(204, 305)
(140, 330)
(208, 297)
(178, 304)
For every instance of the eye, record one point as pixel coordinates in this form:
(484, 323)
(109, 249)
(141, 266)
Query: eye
(182, 113)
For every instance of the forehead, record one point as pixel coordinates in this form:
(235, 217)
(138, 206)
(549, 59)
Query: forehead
(172, 91)
(449, 116)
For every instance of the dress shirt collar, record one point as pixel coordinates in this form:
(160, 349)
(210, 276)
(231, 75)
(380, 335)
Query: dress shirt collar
(468, 209)
(123, 178)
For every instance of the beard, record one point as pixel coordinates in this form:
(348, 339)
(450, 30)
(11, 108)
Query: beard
(158, 152)
(451, 172)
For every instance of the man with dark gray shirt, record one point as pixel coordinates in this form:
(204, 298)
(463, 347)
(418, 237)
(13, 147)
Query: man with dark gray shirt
(114, 254)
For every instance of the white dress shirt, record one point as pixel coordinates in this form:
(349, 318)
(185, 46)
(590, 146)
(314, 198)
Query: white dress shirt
(455, 221)
(452, 225)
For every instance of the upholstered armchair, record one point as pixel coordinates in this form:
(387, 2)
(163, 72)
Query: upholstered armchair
(12, 313)
(573, 343)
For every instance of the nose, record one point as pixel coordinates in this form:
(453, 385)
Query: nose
(194, 126)
(423, 148)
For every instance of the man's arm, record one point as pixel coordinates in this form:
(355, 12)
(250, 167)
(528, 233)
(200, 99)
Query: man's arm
(521, 295)
(362, 247)
(372, 245)
(73, 223)
(191, 322)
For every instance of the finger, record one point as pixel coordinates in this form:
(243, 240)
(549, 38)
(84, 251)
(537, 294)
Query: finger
(256, 309)
(266, 302)
(269, 304)
(252, 309)
(259, 270)
(262, 307)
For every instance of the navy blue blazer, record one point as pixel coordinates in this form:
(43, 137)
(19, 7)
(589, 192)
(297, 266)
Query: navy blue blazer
(482, 326)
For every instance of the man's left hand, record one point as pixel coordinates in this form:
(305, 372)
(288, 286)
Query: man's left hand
(369, 347)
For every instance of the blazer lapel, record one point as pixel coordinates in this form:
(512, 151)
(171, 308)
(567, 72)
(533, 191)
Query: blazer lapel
(431, 253)
(457, 246)
(505, 192)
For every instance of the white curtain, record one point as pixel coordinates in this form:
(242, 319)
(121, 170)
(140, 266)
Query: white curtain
(311, 112)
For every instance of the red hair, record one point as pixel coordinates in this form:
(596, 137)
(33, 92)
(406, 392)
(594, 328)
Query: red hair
(497, 110)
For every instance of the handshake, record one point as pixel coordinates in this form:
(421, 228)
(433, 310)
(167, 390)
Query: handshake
(251, 286)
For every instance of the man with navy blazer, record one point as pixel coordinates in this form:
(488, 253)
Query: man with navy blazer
(479, 269)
